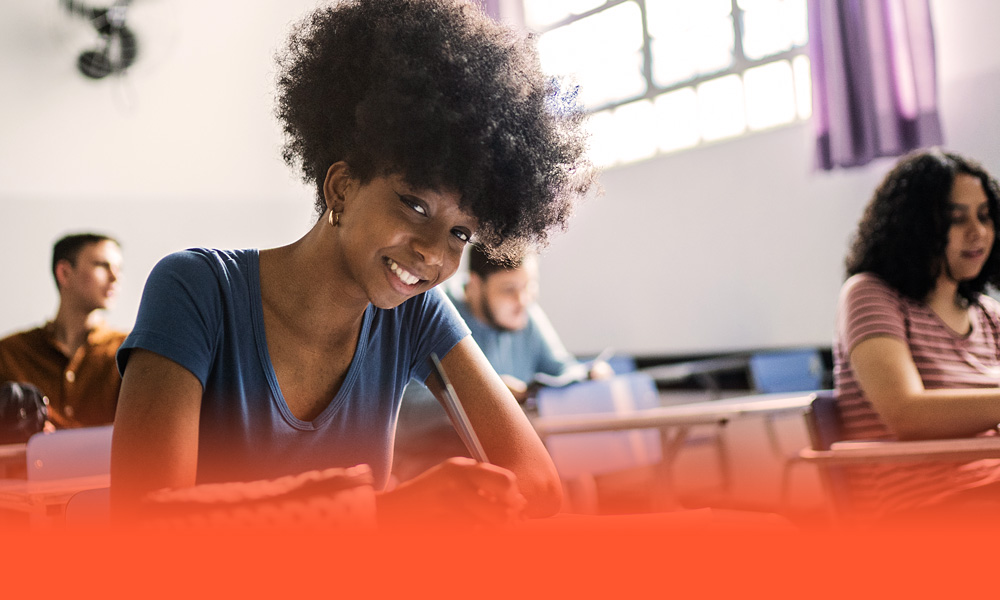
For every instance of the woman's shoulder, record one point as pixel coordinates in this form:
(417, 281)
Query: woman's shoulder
(989, 305)
(868, 286)
(206, 261)
(193, 256)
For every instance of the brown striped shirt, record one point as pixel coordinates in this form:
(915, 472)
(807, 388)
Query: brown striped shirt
(868, 307)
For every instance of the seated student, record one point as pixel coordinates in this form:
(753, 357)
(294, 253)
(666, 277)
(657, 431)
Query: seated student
(422, 124)
(71, 359)
(499, 306)
(917, 350)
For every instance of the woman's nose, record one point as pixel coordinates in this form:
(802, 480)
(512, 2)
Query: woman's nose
(430, 248)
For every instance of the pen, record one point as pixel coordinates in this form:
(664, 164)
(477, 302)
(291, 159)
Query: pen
(457, 414)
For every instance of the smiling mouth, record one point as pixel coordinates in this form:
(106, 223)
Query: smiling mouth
(404, 275)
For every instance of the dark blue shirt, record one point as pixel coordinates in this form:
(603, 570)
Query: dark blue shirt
(202, 309)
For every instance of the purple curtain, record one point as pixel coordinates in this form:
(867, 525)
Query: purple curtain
(874, 79)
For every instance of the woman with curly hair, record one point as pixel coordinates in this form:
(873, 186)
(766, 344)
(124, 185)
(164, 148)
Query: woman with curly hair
(423, 126)
(917, 351)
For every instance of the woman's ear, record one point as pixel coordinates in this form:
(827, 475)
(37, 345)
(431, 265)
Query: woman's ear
(338, 181)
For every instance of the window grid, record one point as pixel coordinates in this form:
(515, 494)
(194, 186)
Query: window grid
(740, 63)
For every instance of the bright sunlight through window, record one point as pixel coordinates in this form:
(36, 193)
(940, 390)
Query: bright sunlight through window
(666, 75)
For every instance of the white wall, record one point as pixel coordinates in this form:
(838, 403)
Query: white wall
(730, 246)
(182, 152)
(740, 244)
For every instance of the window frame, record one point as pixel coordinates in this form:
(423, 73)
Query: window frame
(740, 64)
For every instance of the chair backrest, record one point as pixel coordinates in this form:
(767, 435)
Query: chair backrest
(603, 452)
(69, 453)
(622, 363)
(824, 426)
(787, 371)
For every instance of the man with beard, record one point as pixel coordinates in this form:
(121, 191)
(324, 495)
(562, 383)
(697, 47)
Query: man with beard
(499, 306)
(515, 335)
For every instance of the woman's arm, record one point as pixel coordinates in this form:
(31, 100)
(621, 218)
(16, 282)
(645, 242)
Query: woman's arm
(155, 440)
(506, 435)
(889, 379)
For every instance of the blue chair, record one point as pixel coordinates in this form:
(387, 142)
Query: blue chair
(622, 363)
(786, 371)
(69, 453)
(580, 456)
(797, 370)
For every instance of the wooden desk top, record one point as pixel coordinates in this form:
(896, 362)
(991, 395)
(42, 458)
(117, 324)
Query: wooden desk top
(695, 413)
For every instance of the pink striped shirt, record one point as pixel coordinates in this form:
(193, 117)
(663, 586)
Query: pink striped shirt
(868, 307)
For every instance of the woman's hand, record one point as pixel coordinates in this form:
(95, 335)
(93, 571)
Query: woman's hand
(458, 493)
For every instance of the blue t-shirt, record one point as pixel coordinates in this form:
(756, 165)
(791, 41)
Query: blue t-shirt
(522, 353)
(202, 309)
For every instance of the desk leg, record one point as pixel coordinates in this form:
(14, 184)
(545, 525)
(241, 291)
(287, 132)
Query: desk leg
(664, 490)
(725, 465)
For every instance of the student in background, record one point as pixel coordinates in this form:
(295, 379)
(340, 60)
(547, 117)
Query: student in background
(422, 125)
(917, 349)
(499, 306)
(71, 359)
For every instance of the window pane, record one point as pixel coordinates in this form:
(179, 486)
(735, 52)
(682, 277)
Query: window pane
(602, 139)
(635, 139)
(803, 86)
(607, 71)
(720, 107)
(772, 26)
(770, 95)
(676, 116)
(689, 38)
(540, 13)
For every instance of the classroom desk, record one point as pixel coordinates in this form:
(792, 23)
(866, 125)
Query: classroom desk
(44, 502)
(13, 459)
(674, 423)
(679, 415)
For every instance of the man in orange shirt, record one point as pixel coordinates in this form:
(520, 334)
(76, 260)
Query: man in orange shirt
(72, 357)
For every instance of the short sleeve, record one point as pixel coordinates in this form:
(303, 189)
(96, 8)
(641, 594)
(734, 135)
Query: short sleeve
(437, 329)
(180, 313)
(868, 307)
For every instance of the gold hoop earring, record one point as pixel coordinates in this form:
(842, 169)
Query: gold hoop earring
(332, 222)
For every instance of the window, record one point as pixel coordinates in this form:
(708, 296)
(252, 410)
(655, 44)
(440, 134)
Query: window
(665, 75)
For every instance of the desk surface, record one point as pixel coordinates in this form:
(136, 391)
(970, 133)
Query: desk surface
(695, 413)
(24, 495)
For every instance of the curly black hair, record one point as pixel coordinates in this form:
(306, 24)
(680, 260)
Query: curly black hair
(438, 92)
(904, 231)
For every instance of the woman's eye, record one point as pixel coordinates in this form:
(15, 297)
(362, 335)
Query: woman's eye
(416, 206)
(461, 235)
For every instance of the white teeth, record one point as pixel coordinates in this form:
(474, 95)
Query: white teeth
(404, 275)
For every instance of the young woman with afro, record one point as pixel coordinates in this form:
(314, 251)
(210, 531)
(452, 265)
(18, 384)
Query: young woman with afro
(423, 126)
